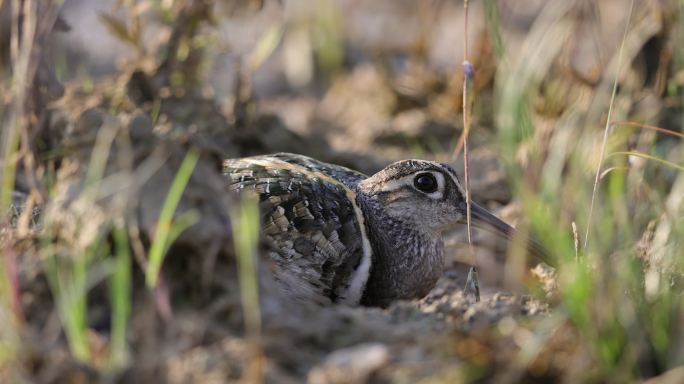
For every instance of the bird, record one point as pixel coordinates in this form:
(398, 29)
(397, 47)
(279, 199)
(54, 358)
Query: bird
(336, 235)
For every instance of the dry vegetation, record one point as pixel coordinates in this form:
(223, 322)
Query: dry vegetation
(123, 258)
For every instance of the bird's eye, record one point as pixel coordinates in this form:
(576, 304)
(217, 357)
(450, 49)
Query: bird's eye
(425, 182)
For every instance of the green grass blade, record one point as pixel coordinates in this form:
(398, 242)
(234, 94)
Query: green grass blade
(648, 157)
(606, 131)
(245, 223)
(68, 284)
(162, 238)
(120, 296)
(246, 236)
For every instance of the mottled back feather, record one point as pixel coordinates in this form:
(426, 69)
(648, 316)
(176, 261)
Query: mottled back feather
(310, 220)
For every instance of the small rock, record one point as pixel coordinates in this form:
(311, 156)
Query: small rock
(350, 365)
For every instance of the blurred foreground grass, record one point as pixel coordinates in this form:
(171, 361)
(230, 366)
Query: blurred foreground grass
(620, 286)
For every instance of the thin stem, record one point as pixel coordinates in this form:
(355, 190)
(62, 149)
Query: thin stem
(648, 157)
(646, 126)
(606, 131)
(468, 74)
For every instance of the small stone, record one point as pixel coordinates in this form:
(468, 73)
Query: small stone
(350, 365)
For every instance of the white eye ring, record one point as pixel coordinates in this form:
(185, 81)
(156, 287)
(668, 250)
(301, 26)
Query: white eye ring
(425, 182)
(438, 192)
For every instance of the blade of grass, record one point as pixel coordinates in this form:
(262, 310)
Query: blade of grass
(20, 63)
(245, 219)
(606, 131)
(70, 280)
(647, 157)
(120, 296)
(246, 235)
(68, 284)
(493, 23)
(165, 230)
(10, 286)
(9, 157)
(72, 307)
(98, 160)
(9, 160)
(266, 45)
(10, 315)
(631, 124)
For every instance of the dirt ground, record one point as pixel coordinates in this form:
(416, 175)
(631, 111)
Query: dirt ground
(394, 96)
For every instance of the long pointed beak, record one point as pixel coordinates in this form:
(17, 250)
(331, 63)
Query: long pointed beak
(482, 218)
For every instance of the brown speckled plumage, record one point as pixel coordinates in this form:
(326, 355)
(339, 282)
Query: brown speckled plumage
(337, 235)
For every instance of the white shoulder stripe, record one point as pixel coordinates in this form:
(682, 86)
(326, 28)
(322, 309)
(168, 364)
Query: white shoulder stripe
(357, 283)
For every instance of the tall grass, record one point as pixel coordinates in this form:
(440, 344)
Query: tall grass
(245, 218)
(72, 275)
(606, 130)
(120, 296)
(623, 303)
(69, 275)
(167, 231)
(69, 285)
(12, 122)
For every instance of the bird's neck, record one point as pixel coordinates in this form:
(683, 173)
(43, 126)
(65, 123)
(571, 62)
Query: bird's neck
(406, 260)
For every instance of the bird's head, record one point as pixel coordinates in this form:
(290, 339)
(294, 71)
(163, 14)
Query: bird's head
(429, 197)
(423, 194)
